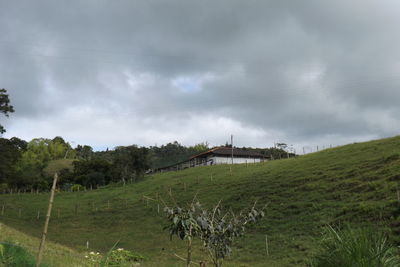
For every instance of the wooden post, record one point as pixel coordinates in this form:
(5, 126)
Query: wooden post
(46, 224)
(266, 245)
(108, 204)
(38, 215)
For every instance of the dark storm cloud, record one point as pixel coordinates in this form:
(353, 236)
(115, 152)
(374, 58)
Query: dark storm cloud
(305, 71)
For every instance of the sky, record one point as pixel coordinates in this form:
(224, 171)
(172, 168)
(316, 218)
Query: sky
(122, 72)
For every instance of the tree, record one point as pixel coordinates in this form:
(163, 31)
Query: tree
(130, 162)
(5, 106)
(84, 152)
(217, 230)
(10, 152)
(92, 172)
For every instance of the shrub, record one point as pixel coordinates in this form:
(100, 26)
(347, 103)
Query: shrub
(122, 257)
(114, 258)
(355, 248)
(77, 187)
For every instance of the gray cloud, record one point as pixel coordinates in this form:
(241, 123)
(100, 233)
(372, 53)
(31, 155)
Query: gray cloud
(120, 72)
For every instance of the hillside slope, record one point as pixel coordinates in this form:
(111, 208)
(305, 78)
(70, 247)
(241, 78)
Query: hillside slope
(55, 254)
(355, 183)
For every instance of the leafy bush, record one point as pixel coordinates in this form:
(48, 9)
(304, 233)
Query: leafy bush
(122, 257)
(77, 187)
(355, 248)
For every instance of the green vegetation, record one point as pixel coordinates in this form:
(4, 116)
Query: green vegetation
(356, 248)
(12, 255)
(5, 106)
(26, 246)
(355, 184)
(216, 229)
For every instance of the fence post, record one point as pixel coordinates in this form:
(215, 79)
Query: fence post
(46, 224)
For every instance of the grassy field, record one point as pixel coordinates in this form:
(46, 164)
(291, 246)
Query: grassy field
(355, 184)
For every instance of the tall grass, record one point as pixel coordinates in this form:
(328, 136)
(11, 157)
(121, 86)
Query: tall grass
(361, 247)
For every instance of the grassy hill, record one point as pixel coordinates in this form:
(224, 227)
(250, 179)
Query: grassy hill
(356, 184)
(55, 254)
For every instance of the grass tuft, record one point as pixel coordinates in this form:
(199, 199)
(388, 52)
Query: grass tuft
(355, 247)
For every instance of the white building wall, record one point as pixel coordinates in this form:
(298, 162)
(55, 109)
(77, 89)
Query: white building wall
(228, 160)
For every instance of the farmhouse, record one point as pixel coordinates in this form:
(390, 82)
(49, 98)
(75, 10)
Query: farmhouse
(218, 155)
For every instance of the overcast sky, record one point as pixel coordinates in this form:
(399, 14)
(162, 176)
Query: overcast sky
(120, 72)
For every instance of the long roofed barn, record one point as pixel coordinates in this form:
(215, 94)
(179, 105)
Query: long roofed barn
(218, 155)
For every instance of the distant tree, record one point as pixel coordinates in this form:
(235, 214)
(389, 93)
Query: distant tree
(130, 162)
(172, 153)
(5, 106)
(201, 147)
(10, 152)
(92, 172)
(84, 152)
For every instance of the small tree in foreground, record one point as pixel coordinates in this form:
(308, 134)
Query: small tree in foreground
(215, 228)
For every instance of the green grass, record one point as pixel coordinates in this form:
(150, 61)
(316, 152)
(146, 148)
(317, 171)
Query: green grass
(355, 184)
(359, 247)
(12, 255)
(25, 248)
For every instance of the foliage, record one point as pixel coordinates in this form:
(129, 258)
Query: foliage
(93, 258)
(94, 172)
(5, 106)
(77, 188)
(10, 152)
(172, 153)
(84, 152)
(356, 248)
(130, 162)
(217, 230)
(122, 257)
(115, 258)
(30, 167)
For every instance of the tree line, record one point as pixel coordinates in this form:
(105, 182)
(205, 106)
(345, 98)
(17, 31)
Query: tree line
(31, 165)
